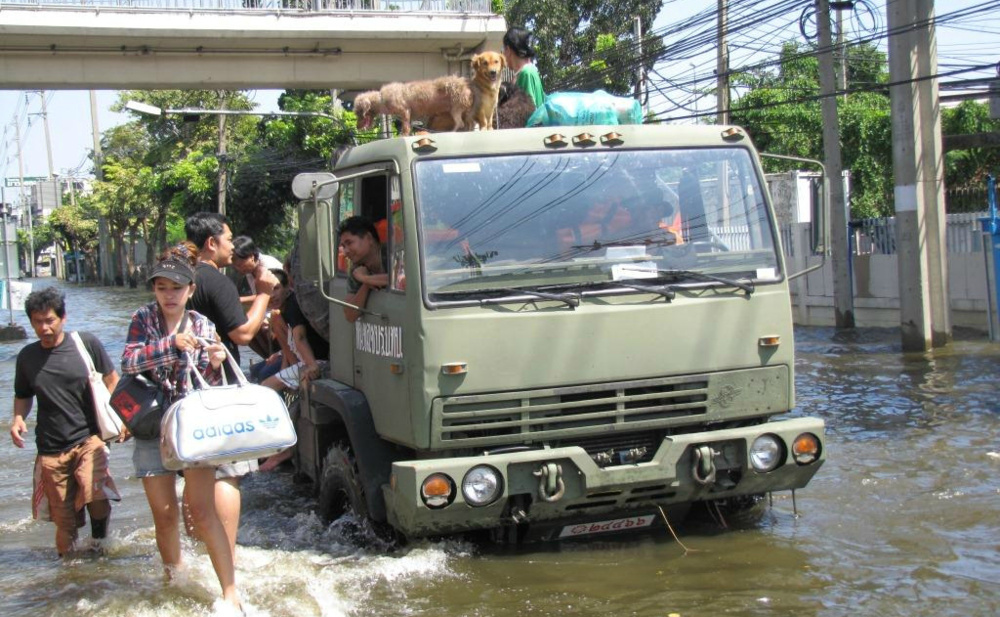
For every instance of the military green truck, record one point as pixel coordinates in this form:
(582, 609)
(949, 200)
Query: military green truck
(585, 329)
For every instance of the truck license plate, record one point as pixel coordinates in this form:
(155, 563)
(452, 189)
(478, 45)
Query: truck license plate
(618, 524)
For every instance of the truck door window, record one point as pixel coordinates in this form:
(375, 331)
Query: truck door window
(377, 198)
(346, 209)
(374, 201)
(397, 277)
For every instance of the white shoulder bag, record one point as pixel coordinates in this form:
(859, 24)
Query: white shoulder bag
(215, 425)
(109, 425)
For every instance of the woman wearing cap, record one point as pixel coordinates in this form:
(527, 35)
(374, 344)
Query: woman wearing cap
(518, 53)
(163, 343)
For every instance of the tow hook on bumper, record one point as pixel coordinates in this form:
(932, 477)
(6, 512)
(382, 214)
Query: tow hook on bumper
(703, 465)
(550, 482)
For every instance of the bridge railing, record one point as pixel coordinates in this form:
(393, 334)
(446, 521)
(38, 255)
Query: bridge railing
(321, 6)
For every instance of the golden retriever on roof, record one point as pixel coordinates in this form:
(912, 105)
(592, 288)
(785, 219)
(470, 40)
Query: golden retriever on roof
(448, 95)
(485, 83)
(367, 105)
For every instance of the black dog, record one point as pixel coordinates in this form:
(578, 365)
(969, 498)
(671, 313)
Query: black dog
(514, 107)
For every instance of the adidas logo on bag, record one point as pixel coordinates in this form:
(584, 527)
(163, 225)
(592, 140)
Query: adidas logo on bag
(269, 422)
(223, 430)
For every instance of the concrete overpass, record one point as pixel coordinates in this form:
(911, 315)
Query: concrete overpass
(238, 44)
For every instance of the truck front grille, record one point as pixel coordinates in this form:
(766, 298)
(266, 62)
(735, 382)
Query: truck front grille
(563, 413)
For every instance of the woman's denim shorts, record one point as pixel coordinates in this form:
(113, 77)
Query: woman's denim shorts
(146, 458)
(148, 463)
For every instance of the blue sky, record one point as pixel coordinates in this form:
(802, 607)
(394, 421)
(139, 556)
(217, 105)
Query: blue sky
(970, 42)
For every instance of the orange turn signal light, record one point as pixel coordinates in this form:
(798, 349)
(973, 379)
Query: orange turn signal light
(771, 340)
(805, 448)
(437, 490)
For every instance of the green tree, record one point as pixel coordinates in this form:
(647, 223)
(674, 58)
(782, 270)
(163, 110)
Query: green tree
(286, 146)
(76, 229)
(781, 111)
(969, 168)
(125, 199)
(162, 168)
(571, 53)
(41, 236)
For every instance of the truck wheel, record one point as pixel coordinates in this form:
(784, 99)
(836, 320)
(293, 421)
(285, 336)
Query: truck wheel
(339, 486)
(314, 306)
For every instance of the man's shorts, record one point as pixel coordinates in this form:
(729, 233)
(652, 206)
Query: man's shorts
(68, 481)
(290, 376)
(148, 462)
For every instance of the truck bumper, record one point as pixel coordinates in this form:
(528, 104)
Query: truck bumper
(678, 473)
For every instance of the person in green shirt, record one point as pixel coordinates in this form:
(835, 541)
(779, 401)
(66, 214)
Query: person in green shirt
(517, 51)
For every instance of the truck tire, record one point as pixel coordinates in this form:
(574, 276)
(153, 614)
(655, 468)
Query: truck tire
(339, 486)
(314, 306)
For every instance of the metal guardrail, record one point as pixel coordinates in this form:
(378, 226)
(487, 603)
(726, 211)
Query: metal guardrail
(250, 6)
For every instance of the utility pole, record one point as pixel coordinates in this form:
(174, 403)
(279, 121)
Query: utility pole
(722, 66)
(639, 69)
(694, 89)
(12, 331)
(843, 294)
(48, 140)
(24, 202)
(722, 102)
(841, 48)
(96, 133)
(918, 170)
(221, 154)
(104, 251)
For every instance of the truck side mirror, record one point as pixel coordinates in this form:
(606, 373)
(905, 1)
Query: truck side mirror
(316, 250)
(315, 240)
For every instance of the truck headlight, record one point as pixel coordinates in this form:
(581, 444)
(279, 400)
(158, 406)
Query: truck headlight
(482, 485)
(766, 453)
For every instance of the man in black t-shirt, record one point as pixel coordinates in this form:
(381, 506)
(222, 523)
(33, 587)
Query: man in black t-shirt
(71, 468)
(216, 297)
(310, 351)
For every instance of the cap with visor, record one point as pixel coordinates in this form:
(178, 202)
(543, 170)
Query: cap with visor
(172, 269)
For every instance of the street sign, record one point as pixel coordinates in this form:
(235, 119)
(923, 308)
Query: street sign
(15, 182)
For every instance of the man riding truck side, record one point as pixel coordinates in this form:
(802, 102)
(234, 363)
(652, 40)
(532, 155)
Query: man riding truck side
(360, 243)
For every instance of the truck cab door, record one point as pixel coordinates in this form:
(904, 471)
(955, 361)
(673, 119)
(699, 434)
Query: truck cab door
(376, 339)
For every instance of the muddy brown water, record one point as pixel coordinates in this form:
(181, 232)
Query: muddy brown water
(904, 519)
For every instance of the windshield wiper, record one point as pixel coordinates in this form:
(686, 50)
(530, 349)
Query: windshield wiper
(748, 288)
(572, 301)
(667, 291)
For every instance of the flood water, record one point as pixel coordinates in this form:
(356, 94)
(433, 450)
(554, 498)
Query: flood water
(903, 519)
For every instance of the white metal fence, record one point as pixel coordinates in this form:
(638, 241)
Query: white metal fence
(878, 236)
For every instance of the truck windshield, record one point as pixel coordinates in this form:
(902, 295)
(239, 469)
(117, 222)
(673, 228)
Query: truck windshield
(498, 224)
